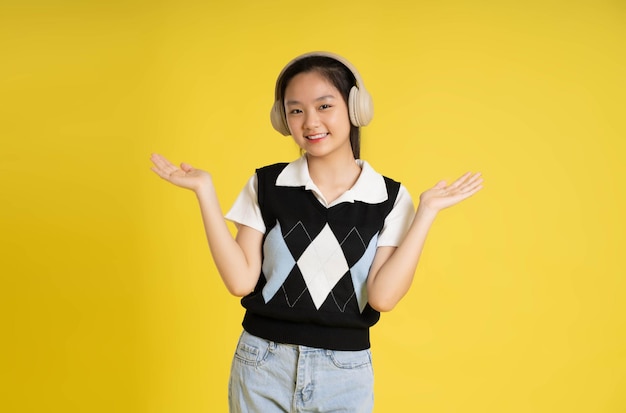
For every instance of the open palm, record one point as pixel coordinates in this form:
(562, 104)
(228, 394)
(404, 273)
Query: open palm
(184, 176)
(443, 196)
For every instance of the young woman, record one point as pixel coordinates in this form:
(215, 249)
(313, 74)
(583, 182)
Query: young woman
(323, 245)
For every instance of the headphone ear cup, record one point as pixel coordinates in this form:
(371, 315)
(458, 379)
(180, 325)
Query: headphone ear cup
(278, 120)
(360, 107)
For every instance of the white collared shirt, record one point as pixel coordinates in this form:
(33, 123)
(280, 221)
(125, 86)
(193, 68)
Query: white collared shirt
(369, 188)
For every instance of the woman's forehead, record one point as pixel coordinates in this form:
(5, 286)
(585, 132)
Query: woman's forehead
(311, 85)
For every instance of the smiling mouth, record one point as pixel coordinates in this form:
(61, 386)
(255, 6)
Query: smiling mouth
(317, 136)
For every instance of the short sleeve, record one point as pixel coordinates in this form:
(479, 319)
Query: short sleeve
(398, 221)
(246, 210)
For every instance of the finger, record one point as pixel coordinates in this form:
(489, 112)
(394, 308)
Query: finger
(161, 162)
(475, 177)
(460, 196)
(469, 181)
(165, 166)
(160, 172)
(468, 188)
(156, 158)
(462, 179)
(471, 189)
(474, 181)
(186, 167)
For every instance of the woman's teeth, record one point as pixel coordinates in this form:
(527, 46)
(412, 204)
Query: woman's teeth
(318, 136)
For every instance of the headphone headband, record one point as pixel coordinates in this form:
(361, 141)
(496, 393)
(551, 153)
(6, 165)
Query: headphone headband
(360, 106)
(347, 64)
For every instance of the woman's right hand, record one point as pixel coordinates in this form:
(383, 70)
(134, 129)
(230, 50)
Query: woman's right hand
(185, 177)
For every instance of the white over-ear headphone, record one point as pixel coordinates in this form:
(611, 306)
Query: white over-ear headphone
(360, 105)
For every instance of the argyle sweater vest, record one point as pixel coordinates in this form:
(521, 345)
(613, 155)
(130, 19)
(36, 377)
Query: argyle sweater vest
(312, 290)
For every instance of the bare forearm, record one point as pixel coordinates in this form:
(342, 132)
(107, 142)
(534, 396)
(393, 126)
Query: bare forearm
(238, 261)
(389, 283)
(392, 272)
(239, 272)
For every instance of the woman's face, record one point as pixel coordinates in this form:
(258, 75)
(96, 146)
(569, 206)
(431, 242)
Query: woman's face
(317, 115)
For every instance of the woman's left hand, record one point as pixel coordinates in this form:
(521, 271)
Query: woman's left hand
(443, 196)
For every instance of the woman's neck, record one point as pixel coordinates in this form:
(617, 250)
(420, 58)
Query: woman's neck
(333, 176)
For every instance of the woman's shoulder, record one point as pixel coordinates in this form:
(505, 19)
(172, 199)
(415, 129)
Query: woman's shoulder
(295, 167)
(371, 172)
(274, 166)
(272, 171)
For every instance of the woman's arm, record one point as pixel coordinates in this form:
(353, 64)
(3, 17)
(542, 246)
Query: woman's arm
(238, 260)
(393, 268)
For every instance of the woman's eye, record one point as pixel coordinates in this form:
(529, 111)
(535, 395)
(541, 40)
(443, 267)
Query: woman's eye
(295, 111)
(325, 106)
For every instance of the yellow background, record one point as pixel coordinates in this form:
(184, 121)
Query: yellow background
(110, 301)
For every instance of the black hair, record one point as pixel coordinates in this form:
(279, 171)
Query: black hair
(337, 74)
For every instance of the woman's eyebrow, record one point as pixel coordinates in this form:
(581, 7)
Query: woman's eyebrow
(296, 102)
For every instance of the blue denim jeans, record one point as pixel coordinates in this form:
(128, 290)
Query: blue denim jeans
(268, 377)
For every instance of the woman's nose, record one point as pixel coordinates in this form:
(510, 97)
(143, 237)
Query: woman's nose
(311, 120)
